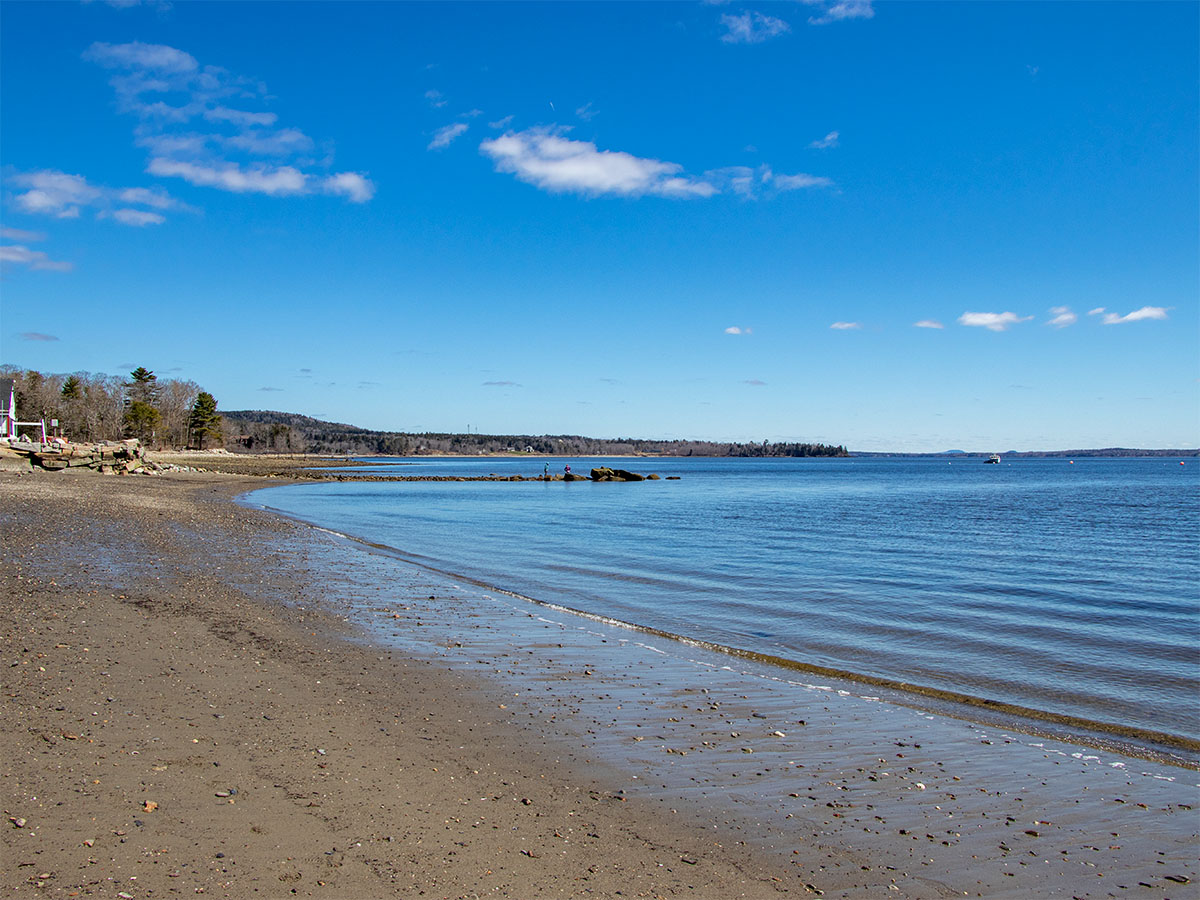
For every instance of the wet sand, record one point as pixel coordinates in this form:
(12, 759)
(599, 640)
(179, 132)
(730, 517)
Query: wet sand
(208, 698)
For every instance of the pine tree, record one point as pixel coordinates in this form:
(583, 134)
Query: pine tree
(141, 421)
(205, 421)
(144, 386)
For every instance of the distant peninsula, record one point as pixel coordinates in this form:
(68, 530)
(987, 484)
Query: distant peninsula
(268, 431)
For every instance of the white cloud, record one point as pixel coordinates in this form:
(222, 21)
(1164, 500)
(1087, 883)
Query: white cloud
(137, 217)
(501, 123)
(1095, 312)
(55, 193)
(275, 181)
(1138, 315)
(63, 196)
(279, 142)
(354, 187)
(544, 158)
(444, 137)
(435, 99)
(240, 117)
(800, 181)
(136, 55)
(1062, 317)
(840, 10)
(244, 150)
(737, 329)
(992, 321)
(829, 141)
(752, 28)
(846, 326)
(547, 159)
(18, 254)
(586, 112)
(928, 323)
(156, 197)
(17, 234)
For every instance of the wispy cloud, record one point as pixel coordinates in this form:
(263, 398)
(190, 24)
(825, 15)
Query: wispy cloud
(992, 321)
(799, 181)
(500, 384)
(738, 329)
(1062, 317)
(839, 10)
(191, 131)
(547, 159)
(17, 234)
(444, 137)
(435, 98)
(846, 326)
(752, 28)
(928, 323)
(271, 390)
(501, 123)
(138, 218)
(754, 382)
(826, 143)
(1138, 315)
(20, 255)
(37, 336)
(586, 112)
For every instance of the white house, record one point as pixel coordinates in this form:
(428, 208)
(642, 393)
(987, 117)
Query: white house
(8, 408)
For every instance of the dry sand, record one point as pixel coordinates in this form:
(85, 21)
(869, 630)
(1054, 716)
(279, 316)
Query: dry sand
(191, 707)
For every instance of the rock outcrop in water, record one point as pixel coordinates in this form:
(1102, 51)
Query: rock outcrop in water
(604, 473)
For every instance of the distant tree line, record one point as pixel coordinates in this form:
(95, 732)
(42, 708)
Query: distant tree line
(266, 431)
(96, 407)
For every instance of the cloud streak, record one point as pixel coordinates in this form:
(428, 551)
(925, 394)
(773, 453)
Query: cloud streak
(20, 255)
(928, 323)
(1146, 313)
(846, 326)
(1063, 317)
(992, 321)
(826, 143)
(839, 10)
(549, 160)
(444, 137)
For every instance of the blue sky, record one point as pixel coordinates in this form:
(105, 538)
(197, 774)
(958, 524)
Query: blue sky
(910, 226)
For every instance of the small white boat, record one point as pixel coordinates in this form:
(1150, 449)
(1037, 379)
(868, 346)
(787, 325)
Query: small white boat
(994, 459)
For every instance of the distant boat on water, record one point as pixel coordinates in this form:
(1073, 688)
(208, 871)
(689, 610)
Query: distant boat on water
(994, 459)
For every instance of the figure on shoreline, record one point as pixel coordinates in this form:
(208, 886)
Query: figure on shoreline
(567, 469)
(546, 472)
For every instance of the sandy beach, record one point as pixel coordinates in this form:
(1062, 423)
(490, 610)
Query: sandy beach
(204, 698)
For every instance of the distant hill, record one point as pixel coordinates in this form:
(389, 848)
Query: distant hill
(268, 431)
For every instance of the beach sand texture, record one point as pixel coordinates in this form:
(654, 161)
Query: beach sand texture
(189, 709)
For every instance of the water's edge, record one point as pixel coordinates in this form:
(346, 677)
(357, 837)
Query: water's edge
(1139, 743)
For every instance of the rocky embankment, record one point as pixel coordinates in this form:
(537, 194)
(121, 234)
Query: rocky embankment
(107, 457)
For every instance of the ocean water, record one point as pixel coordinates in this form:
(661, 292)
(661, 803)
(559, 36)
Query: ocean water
(1066, 589)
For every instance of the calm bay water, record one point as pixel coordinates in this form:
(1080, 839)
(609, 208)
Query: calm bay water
(1067, 588)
